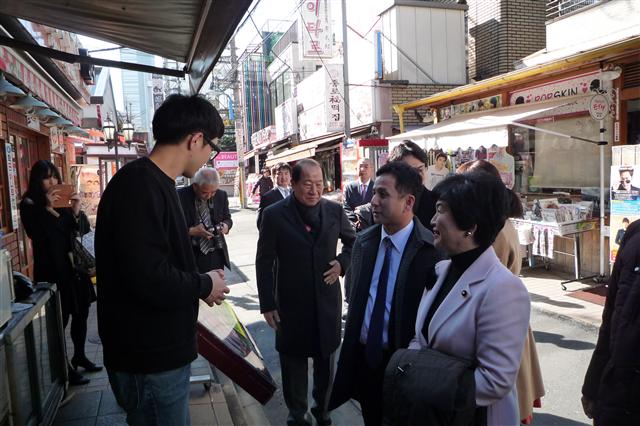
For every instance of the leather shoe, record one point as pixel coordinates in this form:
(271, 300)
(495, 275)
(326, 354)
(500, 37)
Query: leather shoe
(76, 378)
(86, 364)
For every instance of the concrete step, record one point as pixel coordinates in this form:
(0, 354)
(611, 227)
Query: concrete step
(243, 409)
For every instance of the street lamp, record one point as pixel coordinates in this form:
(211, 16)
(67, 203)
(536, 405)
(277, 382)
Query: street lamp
(127, 131)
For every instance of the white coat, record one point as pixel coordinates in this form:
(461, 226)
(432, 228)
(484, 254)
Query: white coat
(485, 317)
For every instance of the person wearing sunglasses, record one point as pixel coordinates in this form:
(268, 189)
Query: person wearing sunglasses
(148, 282)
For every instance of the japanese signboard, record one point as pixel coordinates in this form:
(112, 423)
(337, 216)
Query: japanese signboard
(316, 31)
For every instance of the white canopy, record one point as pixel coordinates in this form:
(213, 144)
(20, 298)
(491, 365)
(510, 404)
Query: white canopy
(473, 130)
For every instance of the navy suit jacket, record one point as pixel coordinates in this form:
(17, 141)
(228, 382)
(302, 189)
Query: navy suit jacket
(353, 198)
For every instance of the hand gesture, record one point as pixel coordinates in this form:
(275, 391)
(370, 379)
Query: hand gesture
(200, 231)
(52, 196)
(332, 274)
(273, 319)
(225, 228)
(218, 289)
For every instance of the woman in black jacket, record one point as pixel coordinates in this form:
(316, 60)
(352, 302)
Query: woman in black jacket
(611, 390)
(52, 231)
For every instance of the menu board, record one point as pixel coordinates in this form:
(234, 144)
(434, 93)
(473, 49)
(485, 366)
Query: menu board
(226, 343)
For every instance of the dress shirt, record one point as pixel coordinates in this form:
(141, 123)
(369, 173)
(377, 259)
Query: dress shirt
(284, 191)
(362, 187)
(399, 241)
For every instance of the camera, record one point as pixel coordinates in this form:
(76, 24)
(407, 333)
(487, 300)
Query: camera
(218, 238)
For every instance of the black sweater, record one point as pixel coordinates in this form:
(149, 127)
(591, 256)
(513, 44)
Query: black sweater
(148, 287)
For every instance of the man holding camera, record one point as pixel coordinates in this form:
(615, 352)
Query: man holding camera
(206, 210)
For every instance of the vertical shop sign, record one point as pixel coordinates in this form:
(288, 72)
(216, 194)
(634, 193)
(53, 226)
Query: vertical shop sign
(317, 34)
(10, 156)
(334, 102)
(158, 90)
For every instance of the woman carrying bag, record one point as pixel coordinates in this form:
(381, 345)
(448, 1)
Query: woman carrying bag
(477, 313)
(51, 231)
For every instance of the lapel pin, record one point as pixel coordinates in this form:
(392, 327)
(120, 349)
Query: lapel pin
(464, 293)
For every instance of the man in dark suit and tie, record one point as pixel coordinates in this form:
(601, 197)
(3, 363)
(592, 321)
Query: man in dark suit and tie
(280, 192)
(302, 300)
(206, 210)
(359, 192)
(392, 263)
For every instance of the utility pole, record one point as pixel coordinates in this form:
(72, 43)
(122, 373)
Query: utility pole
(345, 73)
(238, 119)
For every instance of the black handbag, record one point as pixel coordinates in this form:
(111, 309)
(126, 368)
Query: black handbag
(83, 260)
(428, 387)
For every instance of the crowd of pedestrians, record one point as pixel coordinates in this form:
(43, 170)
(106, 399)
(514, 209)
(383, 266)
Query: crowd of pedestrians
(437, 330)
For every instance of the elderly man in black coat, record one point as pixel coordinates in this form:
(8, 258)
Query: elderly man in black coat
(206, 211)
(302, 300)
(611, 390)
(383, 306)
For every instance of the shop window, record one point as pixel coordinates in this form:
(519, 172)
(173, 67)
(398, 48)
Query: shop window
(546, 162)
(633, 122)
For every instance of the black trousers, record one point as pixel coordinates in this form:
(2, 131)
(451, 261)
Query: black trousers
(368, 387)
(78, 330)
(210, 261)
(295, 387)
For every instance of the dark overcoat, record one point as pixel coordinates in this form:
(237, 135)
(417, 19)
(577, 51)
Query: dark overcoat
(219, 210)
(415, 273)
(310, 310)
(613, 377)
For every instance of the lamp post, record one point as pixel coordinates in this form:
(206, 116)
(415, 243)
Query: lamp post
(109, 129)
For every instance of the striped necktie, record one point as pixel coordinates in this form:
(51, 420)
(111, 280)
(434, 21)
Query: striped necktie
(206, 245)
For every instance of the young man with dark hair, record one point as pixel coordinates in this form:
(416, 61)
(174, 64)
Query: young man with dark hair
(149, 287)
(437, 172)
(280, 192)
(410, 153)
(359, 192)
(297, 271)
(392, 263)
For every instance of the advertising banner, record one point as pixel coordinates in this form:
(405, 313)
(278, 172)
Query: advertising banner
(316, 31)
(625, 194)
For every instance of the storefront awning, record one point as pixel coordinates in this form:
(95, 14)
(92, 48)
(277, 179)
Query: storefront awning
(194, 32)
(479, 129)
(293, 154)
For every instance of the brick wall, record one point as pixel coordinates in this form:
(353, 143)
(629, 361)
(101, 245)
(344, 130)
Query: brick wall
(502, 32)
(408, 93)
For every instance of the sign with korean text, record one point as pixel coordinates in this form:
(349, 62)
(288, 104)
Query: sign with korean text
(157, 84)
(598, 107)
(263, 137)
(334, 102)
(315, 28)
(10, 158)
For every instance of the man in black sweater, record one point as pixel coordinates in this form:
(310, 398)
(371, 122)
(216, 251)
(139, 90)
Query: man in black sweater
(149, 286)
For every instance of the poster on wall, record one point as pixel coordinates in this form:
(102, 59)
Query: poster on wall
(226, 163)
(625, 194)
(86, 178)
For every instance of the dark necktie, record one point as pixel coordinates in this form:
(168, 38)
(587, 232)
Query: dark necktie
(373, 348)
(205, 217)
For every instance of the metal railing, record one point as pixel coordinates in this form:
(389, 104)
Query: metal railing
(560, 8)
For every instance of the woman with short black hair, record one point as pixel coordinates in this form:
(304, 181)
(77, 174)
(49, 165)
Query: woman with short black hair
(477, 309)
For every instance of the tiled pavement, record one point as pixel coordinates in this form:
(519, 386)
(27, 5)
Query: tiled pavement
(94, 404)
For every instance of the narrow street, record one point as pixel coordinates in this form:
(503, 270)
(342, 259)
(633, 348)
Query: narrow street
(564, 346)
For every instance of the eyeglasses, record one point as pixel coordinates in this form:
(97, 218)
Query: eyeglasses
(625, 180)
(215, 149)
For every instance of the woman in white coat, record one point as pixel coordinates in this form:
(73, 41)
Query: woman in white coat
(477, 309)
